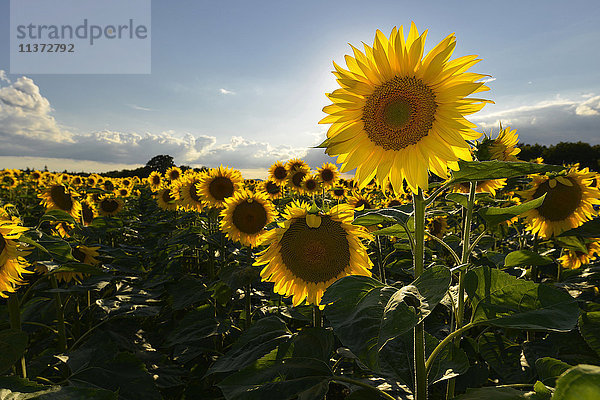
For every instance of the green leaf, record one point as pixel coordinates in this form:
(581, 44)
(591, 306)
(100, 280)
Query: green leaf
(58, 248)
(492, 393)
(484, 170)
(396, 230)
(262, 337)
(13, 344)
(589, 229)
(548, 369)
(495, 215)
(314, 343)
(581, 382)
(500, 299)
(197, 325)
(13, 385)
(399, 215)
(572, 243)
(520, 258)
(301, 378)
(504, 357)
(78, 393)
(365, 314)
(57, 216)
(78, 267)
(541, 392)
(458, 198)
(589, 327)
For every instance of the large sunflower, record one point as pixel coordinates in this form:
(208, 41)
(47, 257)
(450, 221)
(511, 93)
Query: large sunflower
(12, 263)
(165, 199)
(245, 216)
(278, 173)
(59, 197)
(398, 115)
(219, 184)
(569, 202)
(154, 180)
(309, 252)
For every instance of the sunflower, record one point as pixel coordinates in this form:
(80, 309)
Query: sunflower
(91, 180)
(503, 148)
(398, 115)
(278, 173)
(108, 185)
(311, 184)
(154, 180)
(395, 202)
(490, 186)
(83, 254)
(9, 181)
(59, 197)
(575, 259)
(186, 191)
(437, 226)
(569, 202)
(88, 212)
(173, 173)
(64, 178)
(219, 184)
(309, 252)
(245, 216)
(35, 177)
(328, 174)
(272, 189)
(123, 192)
(165, 198)
(357, 200)
(296, 163)
(338, 193)
(295, 178)
(77, 181)
(109, 205)
(12, 263)
(126, 182)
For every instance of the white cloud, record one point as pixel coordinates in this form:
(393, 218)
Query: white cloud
(3, 77)
(589, 107)
(140, 108)
(225, 91)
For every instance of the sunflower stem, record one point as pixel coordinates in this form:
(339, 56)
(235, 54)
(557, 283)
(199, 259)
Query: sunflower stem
(248, 305)
(14, 312)
(60, 317)
(317, 317)
(379, 261)
(419, 333)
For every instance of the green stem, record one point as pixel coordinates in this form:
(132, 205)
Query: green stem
(60, 317)
(248, 305)
(419, 333)
(363, 385)
(379, 262)
(317, 317)
(14, 314)
(445, 342)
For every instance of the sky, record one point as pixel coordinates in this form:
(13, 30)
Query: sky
(243, 83)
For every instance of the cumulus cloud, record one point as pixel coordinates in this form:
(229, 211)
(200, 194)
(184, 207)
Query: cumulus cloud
(225, 91)
(549, 121)
(3, 77)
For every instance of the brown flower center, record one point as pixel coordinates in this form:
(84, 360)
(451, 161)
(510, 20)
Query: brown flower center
(221, 187)
(194, 191)
(166, 196)
(327, 175)
(79, 255)
(280, 172)
(310, 184)
(363, 202)
(315, 254)
(272, 188)
(399, 113)
(561, 201)
(394, 203)
(61, 197)
(156, 180)
(87, 213)
(339, 192)
(297, 178)
(109, 205)
(249, 216)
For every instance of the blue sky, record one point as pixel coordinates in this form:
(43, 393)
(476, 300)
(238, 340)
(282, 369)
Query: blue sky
(243, 82)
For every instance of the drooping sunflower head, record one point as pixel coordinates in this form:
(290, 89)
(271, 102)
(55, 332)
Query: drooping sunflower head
(88, 212)
(574, 259)
(173, 173)
(245, 216)
(311, 184)
(218, 185)
(109, 205)
(569, 202)
(311, 251)
(278, 173)
(272, 189)
(60, 197)
(503, 148)
(328, 174)
(12, 262)
(154, 180)
(398, 115)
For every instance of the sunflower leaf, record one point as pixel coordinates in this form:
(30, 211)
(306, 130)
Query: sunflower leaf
(571, 242)
(57, 216)
(500, 299)
(12, 346)
(492, 393)
(581, 382)
(590, 229)
(548, 369)
(399, 215)
(589, 326)
(485, 170)
(519, 258)
(496, 215)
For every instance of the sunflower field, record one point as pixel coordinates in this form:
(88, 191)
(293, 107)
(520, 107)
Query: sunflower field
(445, 268)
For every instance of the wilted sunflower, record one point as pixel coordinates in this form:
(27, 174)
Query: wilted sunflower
(12, 263)
(575, 259)
(154, 180)
(109, 205)
(398, 115)
(165, 198)
(503, 148)
(219, 184)
(173, 173)
(309, 252)
(272, 189)
(311, 185)
(357, 200)
(186, 191)
(245, 216)
(295, 178)
(278, 173)
(60, 197)
(569, 202)
(328, 174)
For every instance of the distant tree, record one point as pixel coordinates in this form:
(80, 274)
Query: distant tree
(570, 153)
(531, 151)
(160, 163)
